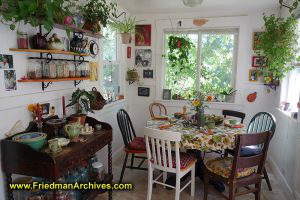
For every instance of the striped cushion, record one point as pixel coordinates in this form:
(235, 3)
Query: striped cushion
(223, 167)
(186, 160)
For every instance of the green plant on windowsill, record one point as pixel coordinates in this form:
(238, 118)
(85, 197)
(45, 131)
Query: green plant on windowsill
(228, 93)
(126, 28)
(279, 44)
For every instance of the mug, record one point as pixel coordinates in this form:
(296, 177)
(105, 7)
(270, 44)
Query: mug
(53, 145)
(233, 121)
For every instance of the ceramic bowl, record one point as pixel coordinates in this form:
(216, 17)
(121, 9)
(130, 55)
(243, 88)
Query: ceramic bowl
(35, 140)
(233, 121)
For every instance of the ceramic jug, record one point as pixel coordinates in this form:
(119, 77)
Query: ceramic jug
(73, 130)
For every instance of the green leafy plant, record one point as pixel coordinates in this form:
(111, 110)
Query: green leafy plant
(82, 99)
(34, 12)
(96, 11)
(279, 44)
(125, 26)
(228, 91)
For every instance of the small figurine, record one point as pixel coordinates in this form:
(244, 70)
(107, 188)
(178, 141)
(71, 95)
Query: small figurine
(52, 111)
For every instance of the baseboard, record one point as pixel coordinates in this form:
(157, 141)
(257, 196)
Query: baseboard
(282, 181)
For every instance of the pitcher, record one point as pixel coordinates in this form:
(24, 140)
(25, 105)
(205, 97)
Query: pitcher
(73, 130)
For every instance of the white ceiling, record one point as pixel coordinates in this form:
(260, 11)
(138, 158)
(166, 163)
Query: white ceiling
(176, 6)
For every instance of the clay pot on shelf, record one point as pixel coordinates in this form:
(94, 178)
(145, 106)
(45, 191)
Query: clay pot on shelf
(79, 118)
(38, 41)
(126, 38)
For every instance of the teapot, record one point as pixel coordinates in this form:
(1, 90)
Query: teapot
(73, 130)
(39, 41)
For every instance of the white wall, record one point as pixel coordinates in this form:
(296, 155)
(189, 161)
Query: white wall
(13, 104)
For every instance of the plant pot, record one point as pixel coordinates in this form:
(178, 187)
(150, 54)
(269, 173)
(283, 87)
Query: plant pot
(132, 76)
(126, 37)
(229, 98)
(79, 118)
(38, 41)
(94, 27)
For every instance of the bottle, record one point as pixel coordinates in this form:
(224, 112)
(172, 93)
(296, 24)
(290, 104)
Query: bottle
(59, 70)
(66, 70)
(22, 40)
(52, 69)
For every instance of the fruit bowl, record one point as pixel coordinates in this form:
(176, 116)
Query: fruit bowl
(35, 140)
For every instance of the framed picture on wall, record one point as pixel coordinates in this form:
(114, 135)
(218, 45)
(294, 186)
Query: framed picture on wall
(253, 75)
(143, 91)
(45, 108)
(143, 36)
(143, 57)
(256, 36)
(259, 61)
(166, 94)
(148, 73)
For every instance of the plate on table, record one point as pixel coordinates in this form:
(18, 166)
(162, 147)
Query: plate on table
(63, 142)
(218, 119)
(161, 118)
(226, 123)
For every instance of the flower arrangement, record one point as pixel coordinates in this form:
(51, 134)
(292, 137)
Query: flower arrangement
(199, 106)
(33, 108)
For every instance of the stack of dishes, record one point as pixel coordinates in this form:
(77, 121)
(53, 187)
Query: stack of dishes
(35, 140)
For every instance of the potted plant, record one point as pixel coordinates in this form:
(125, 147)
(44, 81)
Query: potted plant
(95, 12)
(279, 45)
(126, 28)
(34, 12)
(229, 94)
(82, 101)
(132, 75)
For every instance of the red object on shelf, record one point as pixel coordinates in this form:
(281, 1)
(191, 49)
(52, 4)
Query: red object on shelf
(128, 52)
(38, 110)
(64, 106)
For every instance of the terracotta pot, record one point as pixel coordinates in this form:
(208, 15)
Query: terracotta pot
(78, 117)
(126, 37)
(94, 27)
(38, 41)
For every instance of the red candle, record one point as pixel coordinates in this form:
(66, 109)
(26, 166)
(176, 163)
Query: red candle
(64, 106)
(39, 115)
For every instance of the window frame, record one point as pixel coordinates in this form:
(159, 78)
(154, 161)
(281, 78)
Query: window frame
(200, 32)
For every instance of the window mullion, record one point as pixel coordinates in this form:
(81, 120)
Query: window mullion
(199, 66)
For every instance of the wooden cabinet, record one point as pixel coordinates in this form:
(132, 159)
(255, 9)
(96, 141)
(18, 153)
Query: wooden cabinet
(21, 159)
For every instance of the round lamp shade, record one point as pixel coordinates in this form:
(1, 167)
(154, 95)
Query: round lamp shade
(192, 3)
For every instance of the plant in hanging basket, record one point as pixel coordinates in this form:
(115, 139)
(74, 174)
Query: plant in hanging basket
(132, 75)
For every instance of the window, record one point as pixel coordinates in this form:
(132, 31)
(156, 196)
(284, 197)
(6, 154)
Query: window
(111, 64)
(210, 64)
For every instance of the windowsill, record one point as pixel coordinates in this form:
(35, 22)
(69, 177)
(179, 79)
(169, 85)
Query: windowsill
(186, 101)
(110, 106)
(287, 114)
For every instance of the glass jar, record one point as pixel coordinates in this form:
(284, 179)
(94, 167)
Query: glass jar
(34, 69)
(59, 70)
(22, 40)
(45, 69)
(84, 69)
(52, 69)
(71, 70)
(97, 172)
(66, 70)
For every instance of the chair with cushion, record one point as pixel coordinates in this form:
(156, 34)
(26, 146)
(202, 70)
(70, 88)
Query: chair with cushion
(161, 157)
(262, 121)
(238, 171)
(161, 108)
(234, 114)
(133, 145)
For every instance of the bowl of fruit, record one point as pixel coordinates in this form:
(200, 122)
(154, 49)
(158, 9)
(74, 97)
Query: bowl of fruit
(218, 119)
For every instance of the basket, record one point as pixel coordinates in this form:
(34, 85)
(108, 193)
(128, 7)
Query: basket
(99, 101)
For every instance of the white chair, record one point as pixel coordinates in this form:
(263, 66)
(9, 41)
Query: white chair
(158, 145)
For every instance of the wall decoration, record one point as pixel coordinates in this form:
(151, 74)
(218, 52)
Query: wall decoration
(10, 80)
(93, 48)
(6, 61)
(256, 39)
(143, 35)
(252, 97)
(94, 71)
(148, 73)
(253, 75)
(143, 91)
(143, 57)
(259, 61)
(166, 94)
(45, 108)
(128, 52)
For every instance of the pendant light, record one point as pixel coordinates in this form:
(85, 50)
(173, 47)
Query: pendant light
(192, 3)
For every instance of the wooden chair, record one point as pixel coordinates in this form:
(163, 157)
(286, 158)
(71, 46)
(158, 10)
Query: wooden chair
(234, 114)
(133, 145)
(240, 171)
(160, 157)
(262, 121)
(161, 108)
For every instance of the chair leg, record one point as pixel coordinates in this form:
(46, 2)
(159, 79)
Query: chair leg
(206, 182)
(232, 189)
(165, 176)
(257, 194)
(193, 182)
(225, 154)
(132, 159)
(150, 182)
(123, 168)
(267, 179)
(177, 192)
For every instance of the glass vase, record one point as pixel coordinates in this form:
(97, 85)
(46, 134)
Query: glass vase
(201, 118)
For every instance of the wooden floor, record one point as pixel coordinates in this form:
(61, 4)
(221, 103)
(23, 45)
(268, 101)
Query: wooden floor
(139, 180)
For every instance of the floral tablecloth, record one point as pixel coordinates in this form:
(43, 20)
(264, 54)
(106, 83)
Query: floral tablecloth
(223, 137)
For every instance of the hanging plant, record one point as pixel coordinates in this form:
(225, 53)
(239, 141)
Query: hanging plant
(279, 44)
(179, 51)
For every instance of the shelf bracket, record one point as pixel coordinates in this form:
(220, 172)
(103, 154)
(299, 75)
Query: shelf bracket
(77, 82)
(45, 85)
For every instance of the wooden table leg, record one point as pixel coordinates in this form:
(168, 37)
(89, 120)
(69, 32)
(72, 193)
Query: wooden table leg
(110, 168)
(10, 195)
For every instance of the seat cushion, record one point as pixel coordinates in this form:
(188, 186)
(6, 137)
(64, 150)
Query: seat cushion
(223, 167)
(138, 143)
(247, 151)
(186, 160)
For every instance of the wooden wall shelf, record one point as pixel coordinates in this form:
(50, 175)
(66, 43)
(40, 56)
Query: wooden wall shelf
(48, 51)
(53, 80)
(75, 29)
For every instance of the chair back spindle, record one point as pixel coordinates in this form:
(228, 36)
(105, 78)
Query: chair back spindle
(126, 127)
(161, 108)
